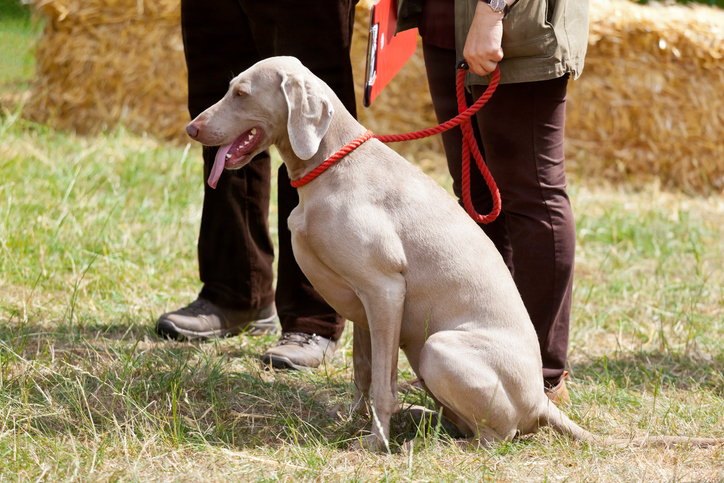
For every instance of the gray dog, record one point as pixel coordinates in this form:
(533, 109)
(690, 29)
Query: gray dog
(392, 251)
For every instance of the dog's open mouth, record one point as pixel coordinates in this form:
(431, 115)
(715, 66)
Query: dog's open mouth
(235, 153)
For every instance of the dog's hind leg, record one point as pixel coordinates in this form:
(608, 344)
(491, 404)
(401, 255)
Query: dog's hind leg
(362, 363)
(462, 372)
(413, 357)
(461, 425)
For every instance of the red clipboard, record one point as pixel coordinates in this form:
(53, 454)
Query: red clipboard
(386, 52)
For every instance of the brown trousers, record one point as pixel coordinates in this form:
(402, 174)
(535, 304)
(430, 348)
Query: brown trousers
(521, 134)
(222, 38)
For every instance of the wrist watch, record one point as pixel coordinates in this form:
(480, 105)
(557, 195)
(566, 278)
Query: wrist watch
(499, 6)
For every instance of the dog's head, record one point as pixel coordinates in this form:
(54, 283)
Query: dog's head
(274, 100)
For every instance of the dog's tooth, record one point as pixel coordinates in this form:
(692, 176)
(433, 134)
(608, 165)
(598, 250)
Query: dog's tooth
(253, 131)
(228, 156)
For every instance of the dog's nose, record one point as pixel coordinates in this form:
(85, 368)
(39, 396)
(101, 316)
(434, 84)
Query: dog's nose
(192, 130)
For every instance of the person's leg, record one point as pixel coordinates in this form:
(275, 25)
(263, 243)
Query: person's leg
(300, 307)
(442, 79)
(522, 129)
(319, 34)
(235, 251)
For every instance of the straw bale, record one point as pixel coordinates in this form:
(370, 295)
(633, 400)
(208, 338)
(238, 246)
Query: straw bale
(650, 102)
(104, 62)
(109, 61)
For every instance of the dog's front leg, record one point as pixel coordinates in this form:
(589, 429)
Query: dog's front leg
(384, 307)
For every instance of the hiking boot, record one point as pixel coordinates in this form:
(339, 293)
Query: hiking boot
(299, 351)
(558, 394)
(203, 320)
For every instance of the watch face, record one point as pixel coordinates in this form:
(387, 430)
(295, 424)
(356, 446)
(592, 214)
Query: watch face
(498, 5)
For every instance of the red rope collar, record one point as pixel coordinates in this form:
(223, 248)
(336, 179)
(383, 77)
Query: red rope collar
(469, 147)
(332, 159)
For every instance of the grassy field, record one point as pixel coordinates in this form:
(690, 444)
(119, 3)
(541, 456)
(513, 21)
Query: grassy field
(97, 238)
(17, 31)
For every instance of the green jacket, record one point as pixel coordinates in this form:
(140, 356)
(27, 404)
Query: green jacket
(542, 39)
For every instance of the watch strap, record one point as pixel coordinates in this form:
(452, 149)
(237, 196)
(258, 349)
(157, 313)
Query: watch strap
(494, 3)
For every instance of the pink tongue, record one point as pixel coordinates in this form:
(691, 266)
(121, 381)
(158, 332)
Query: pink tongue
(219, 163)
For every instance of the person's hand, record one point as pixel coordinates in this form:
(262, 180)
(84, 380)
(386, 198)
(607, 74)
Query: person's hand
(482, 48)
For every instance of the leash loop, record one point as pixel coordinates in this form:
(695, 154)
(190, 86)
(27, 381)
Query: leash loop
(469, 146)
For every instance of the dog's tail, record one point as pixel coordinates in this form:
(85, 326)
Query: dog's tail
(562, 424)
(555, 418)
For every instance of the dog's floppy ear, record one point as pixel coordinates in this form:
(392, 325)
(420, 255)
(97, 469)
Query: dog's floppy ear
(310, 113)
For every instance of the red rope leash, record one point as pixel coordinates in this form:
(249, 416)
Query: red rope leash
(469, 146)
(332, 159)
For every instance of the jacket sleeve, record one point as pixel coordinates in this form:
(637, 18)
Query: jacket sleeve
(408, 14)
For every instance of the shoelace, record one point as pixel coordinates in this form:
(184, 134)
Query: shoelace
(298, 338)
(197, 307)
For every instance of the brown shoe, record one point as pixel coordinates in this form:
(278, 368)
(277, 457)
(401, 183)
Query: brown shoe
(203, 320)
(558, 394)
(299, 351)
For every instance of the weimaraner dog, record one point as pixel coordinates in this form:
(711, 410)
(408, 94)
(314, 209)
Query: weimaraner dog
(393, 252)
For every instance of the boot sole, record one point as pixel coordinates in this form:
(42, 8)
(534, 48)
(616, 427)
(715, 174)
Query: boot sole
(281, 362)
(166, 328)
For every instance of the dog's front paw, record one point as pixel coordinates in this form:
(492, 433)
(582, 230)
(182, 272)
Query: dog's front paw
(370, 443)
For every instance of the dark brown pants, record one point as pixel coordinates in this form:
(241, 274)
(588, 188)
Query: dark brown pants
(521, 129)
(222, 38)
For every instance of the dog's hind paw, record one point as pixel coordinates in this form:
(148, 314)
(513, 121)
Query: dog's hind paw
(370, 443)
(340, 412)
(345, 411)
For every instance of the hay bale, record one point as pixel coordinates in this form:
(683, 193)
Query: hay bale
(104, 62)
(650, 102)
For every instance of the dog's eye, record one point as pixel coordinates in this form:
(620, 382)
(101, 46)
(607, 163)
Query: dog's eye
(239, 93)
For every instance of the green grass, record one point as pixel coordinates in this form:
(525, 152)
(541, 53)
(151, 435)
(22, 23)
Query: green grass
(17, 36)
(97, 237)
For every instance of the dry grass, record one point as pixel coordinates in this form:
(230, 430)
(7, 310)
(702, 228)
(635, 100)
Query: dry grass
(97, 237)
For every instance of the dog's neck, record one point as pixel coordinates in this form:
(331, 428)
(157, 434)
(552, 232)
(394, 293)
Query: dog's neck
(343, 130)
